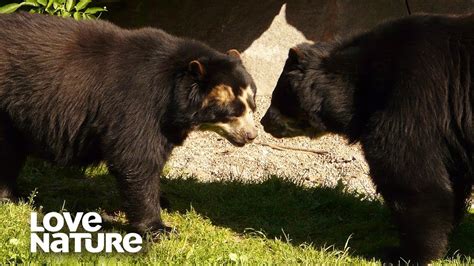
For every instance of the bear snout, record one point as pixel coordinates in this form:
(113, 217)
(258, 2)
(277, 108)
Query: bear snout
(251, 134)
(269, 121)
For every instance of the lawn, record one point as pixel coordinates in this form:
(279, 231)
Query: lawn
(275, 221)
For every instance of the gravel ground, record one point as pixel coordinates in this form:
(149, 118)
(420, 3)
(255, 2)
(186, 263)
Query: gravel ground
(209, 157)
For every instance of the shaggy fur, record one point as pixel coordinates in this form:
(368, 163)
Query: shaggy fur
(77, 93)
(405, 91)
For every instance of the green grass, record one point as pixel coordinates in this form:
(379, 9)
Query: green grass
(274, 221)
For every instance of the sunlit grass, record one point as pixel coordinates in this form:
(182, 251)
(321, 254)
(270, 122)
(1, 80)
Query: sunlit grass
(274, 221)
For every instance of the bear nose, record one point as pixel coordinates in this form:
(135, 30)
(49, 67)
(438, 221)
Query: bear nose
(265, 120)
(251, 135)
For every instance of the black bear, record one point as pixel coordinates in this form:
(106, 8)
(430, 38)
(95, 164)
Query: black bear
(78, 93)
(405, 91)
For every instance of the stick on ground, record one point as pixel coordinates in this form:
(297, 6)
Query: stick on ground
(283, 148)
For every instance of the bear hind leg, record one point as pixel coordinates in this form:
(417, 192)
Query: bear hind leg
(12, 158)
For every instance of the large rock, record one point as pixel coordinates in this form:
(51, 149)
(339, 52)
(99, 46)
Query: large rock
(264, 30)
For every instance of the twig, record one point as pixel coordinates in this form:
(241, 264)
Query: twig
(283, 148)
(408, 7)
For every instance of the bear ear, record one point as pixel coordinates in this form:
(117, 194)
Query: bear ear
(234, 53)
(295, 54)
(197, 69)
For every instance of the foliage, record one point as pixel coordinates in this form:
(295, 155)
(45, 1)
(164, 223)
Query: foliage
(64, 8)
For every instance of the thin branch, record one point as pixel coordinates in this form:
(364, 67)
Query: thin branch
(284, 148)
(408, 7)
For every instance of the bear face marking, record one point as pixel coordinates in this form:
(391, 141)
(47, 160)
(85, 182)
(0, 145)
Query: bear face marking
(221, 94)
(238, 128)
(224, 93)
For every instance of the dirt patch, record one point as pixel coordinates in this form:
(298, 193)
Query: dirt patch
(210, 157)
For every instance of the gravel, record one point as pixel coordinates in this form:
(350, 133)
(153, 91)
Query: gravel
(209, 157)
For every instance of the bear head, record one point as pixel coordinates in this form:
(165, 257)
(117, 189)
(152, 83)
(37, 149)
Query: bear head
(223, 93)
(308, 100)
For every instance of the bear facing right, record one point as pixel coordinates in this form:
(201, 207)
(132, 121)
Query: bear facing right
(77, 93)
(405, 91)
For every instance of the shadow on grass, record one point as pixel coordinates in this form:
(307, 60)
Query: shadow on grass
(277, 207)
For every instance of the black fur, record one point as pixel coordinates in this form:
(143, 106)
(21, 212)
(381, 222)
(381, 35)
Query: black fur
(405, 91)
(84, 92)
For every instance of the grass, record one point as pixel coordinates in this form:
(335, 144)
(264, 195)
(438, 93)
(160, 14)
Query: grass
(275, 221)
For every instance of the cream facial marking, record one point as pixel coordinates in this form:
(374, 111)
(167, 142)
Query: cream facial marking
(222, 94)
(247, 117)
(238, 130)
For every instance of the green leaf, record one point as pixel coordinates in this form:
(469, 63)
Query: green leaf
(94, 10)
(10, 8)
(88, 16)
(32, 2)
(50, 3)
(66, 14)
(38, 10)
(59, 4)
(70, 5)
(82, 4)
(77, 15)
(43, 2)
(50, 11)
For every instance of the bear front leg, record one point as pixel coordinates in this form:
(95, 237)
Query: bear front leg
(141, 195)
(139, 184)
(462, 187)
(412, 177)
(424, 217)
(425, 223)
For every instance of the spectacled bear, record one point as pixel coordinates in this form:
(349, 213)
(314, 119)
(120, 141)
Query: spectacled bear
(78, 93)
(405, 91)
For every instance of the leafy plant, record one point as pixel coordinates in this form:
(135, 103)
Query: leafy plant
(63, 8)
